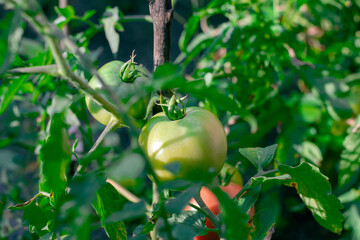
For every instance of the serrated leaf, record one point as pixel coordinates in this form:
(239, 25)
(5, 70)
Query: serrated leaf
(234, 219)
(263, 223)
(315, 191)
(11, 31)
(111, 16)
(38, 213)
(259, 157)
(108, 201)
(349, 163)
(54, 157)
(10, 91)
(193, 219)
(266, 213)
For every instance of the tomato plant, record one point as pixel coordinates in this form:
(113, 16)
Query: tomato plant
(282, 75)
(126, 90)
(191, 148)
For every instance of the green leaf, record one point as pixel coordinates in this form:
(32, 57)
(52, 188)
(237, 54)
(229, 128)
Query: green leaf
(264, 221)
(352, 220)
(248, 199)
(234, 219)
(108, 201)
(38, 213)
(10, 91)
(310, 108)
(349, 162)
(193, 219)
(310, 152)
(190, 28)
(67, 12)
(259, 157)
(110, 19)
(267, 211)
(329, 90)
(178, 204)
(55, 156)
(11, 31)
(315, 191)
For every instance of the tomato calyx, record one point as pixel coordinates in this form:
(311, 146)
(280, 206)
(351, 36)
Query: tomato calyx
(128, 71)
(171, 108)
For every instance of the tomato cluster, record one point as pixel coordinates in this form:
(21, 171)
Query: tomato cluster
(192, 148)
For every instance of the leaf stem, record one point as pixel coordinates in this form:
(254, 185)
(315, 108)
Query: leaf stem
(112, 125)
(213, 218)
(46, 69)
(248, 183)
(128, 195)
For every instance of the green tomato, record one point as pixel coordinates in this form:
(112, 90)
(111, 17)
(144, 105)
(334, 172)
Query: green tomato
(192, 148)
(125, 91)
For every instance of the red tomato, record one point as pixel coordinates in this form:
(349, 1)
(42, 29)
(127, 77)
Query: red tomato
(212, 203)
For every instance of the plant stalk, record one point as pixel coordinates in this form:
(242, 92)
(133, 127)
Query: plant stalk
(161, 13)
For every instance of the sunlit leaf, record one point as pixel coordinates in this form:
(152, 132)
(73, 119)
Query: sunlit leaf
(108, 201)
(310, 152)
(38, 213)
(111, 16)
(315, 190)
(55, 156)
(10, 89)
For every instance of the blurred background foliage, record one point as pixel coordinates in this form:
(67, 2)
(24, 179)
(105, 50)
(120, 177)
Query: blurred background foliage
(290, 67)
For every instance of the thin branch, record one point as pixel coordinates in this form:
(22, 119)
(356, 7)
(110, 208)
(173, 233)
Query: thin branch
(127, 194)
(46, 69)
(213, 218)
(111, 126)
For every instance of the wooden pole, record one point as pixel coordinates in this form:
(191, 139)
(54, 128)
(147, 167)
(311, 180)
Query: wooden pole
(161, 12)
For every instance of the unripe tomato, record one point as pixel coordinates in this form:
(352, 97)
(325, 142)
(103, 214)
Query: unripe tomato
(123, 90)
(195, 145)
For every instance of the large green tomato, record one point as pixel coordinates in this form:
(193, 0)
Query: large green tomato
(192, 148)
(123, 90)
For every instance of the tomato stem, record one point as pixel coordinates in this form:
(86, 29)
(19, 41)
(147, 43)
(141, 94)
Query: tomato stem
(112, 125)
(213, 218)
(128, 195)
